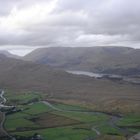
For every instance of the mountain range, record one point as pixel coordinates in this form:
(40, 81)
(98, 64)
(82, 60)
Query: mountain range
(113, 60)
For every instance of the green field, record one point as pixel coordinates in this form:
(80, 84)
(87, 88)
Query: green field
(131, 122)
(70, 123)
(23, 98)
(63, 133)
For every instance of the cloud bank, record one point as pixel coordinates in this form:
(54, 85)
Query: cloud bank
(31, 24)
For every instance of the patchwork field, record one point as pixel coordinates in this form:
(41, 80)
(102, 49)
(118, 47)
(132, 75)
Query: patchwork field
(59, 121)
(53, 120)
(131, 122)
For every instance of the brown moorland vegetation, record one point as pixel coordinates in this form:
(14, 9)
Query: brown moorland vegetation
(17, 75)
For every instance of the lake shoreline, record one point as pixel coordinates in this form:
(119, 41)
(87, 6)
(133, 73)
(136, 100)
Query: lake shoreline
(129, 79)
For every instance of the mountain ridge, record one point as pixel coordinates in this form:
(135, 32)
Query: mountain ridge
(116, 60)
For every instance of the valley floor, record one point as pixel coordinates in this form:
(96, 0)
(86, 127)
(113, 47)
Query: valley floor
(58, 121)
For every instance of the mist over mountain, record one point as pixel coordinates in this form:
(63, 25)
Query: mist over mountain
(116, 60)
(8, 54)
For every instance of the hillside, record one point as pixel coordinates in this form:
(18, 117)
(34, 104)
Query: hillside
(117, 60)
(19, 76)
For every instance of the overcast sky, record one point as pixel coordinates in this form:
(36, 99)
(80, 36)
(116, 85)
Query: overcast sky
(29, 24)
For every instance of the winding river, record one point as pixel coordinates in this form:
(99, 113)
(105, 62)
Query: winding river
(3, 100)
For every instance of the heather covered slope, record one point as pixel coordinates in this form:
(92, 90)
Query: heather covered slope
(117, 60)
(18, 75)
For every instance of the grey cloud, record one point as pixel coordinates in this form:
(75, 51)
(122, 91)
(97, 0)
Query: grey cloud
(77, 23)
(7, 5)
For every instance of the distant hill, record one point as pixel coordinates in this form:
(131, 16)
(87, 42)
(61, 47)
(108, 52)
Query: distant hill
(20, 76)
(6, 53)
(117, 60)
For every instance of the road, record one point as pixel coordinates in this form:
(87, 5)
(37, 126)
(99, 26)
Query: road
(62, 110)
